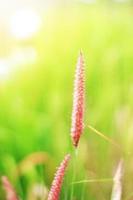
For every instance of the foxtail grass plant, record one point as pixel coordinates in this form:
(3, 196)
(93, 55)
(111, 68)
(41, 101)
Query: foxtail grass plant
(77, 126)
(9, 190)
(78, 102)
(58, 179)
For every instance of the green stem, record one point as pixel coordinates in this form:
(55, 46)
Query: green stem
(104, 137)
(74, 172)
(93, 181)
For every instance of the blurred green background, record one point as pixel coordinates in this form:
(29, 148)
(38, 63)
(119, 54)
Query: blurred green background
(38, 54)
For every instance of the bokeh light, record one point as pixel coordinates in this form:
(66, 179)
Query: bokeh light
(25, 23)
(4, 68)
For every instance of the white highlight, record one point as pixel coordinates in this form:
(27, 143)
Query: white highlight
(25, 23)
(20, 57)
(117, 186)
(4, 69)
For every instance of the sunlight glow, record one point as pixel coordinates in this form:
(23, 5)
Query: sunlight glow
(23, 56)
(4, 69)
(24, 24)
(19, 57)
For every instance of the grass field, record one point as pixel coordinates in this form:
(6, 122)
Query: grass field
(36, 103)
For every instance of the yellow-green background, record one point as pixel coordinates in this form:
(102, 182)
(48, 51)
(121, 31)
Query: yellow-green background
(36, 101)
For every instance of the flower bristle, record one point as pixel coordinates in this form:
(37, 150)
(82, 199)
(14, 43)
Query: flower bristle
(10, 192)
(78, 102)
(58, 179)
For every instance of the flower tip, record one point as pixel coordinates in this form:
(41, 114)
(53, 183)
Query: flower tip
(80, 52)
(4, 180)
(10, 192)
(68, 157)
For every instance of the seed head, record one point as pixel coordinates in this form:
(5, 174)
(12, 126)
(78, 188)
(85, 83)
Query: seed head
(58, 180)
(78, 102)
(10, 192)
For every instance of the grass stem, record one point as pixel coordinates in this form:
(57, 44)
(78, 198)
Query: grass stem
(93, 181)
(74, 171)
(104, 136)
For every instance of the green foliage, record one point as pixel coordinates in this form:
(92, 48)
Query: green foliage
(35, 103)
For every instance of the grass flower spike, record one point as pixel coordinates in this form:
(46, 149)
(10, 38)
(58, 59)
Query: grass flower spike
(10, 192)
(78, 102)
(58, 180)
(117, 186)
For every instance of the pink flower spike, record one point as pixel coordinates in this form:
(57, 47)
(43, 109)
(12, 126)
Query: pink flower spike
(10, 192)
(58, 180)
(78, 102)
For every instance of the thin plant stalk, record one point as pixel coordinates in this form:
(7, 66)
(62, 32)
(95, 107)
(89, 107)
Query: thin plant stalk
(111, 141)
(74, 171)
(117, 182)
(93, 181)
